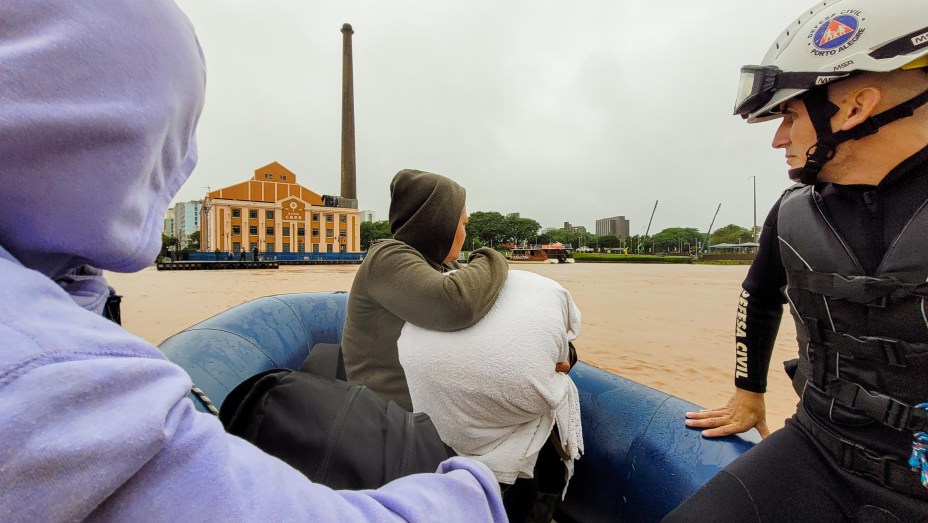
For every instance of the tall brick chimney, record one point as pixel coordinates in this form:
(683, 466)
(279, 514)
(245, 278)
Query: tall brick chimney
(349, 175)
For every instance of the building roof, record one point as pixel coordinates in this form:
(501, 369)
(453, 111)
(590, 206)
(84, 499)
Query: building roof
(270, 183)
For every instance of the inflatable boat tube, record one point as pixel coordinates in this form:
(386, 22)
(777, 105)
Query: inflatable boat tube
(640, 460)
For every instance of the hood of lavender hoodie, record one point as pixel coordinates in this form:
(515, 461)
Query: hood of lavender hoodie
(97, 126)
(98, 104)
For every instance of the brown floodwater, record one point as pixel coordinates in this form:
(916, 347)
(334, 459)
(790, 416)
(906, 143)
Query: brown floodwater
(670, 327)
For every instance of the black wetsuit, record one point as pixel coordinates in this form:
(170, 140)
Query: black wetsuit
(791, 476)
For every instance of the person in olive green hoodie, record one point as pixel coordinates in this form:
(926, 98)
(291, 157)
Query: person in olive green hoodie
(401, 281)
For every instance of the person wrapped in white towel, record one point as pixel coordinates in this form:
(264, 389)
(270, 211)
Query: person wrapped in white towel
(498, 392)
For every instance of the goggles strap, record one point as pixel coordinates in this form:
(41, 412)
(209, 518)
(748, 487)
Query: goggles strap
(820, 112)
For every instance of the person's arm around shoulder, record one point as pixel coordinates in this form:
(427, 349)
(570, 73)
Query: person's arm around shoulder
(405, 284)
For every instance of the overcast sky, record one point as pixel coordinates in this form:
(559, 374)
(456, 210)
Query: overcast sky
(561, 111)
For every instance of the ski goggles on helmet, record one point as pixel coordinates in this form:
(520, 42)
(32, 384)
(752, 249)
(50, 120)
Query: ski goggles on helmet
(759, 83)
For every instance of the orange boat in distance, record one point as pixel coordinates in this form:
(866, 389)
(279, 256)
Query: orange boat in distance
(551, 253)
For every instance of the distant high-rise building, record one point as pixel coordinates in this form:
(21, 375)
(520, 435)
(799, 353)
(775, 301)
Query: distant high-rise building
(168, 229)
(368, 216)
(573, 228)
(616, 226)
(186, 220)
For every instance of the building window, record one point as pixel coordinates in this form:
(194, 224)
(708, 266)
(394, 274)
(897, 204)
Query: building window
(315, 217)
(343, 233)
(236, 230)
(329, 233)
(253, 230)
(286, 247)
(283, 177)
(343, 218)
(328, 248)
(236, 213)
(269, 215)
(301, 231)
(269, 231)
(316, 247)
(268, 176)
(254, 245)
(315, 233)
(329, 218)
(253, 214)
(342, 248)
(236, 246)
(301, 247)
(286, 231)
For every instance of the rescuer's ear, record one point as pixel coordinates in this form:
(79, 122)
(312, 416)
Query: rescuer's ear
(857, 106)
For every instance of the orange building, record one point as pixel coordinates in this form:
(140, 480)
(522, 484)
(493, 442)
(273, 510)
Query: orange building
(274, 213)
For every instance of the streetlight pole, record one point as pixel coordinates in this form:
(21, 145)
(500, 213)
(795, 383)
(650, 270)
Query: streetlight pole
(754, 230)
(204, 227)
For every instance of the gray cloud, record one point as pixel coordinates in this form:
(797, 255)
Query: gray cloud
(560, 111)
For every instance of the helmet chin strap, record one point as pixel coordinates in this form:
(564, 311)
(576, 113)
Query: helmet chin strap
(821, 109)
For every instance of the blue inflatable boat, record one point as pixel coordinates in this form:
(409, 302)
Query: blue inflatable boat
(640, 460)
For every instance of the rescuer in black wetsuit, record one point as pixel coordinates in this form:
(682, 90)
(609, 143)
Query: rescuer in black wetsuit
(847, 249)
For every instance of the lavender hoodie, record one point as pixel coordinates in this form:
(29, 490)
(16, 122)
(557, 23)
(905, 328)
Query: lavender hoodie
(99, 100)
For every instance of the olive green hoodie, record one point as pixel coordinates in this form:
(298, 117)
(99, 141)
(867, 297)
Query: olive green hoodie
(401, 281)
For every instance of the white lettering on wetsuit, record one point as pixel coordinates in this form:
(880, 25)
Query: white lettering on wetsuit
(741, 350)
(741, 369)
(741, 324)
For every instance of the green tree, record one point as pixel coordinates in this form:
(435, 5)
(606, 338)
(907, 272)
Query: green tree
(608, 241)
(371, 231)
(585, 239)
(168, 242)
(517, 229)
(193, 241)
(562, 236)
(573, 238)
(489, 228)
(676, 239)
(730, 234)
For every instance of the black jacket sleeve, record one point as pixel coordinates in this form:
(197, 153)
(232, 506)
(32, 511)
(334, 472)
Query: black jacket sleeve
(760, 309)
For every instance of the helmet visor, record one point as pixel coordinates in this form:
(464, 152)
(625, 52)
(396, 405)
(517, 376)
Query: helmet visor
(760, 83)
(755, 88)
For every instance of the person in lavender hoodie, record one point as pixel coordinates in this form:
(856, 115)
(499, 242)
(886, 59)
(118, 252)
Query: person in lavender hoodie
(98, 104)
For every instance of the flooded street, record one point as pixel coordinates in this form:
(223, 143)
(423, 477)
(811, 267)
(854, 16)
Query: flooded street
(670, 327)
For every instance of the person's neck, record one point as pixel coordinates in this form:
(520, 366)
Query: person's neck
(869, 160)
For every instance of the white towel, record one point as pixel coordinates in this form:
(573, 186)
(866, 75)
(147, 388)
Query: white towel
(491, 389)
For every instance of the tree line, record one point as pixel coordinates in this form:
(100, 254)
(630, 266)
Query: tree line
(494, 229)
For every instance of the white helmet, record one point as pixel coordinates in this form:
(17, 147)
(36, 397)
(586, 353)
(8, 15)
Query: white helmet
(830, 41)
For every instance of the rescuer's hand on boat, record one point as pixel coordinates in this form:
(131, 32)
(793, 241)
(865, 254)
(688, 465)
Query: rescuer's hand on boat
(562, 366)
(745, 410)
